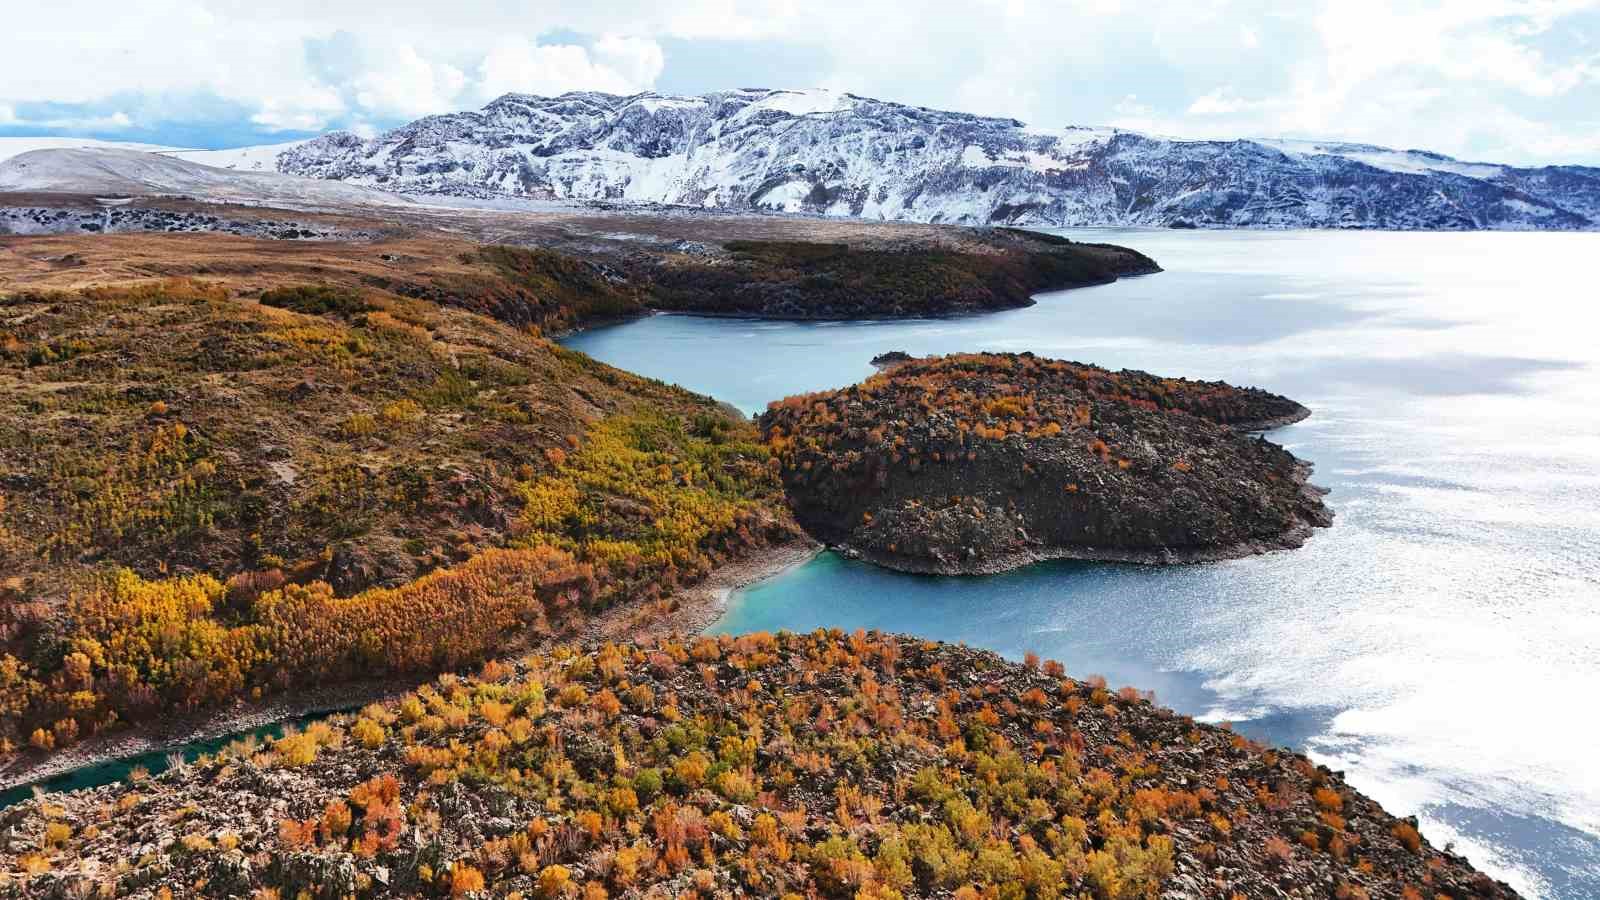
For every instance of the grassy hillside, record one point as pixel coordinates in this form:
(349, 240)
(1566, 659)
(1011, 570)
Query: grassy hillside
(210, 492)
(822, 765)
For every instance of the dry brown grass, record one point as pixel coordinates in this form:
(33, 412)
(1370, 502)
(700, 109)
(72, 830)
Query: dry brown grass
(72, 262)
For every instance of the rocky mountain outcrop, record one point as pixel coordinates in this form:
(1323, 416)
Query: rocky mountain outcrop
(69, 219)
(840, 154)
(982, 462)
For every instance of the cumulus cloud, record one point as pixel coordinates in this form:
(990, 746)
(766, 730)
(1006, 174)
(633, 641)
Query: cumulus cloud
(1423, 73)
(1220, 102)
(408, 83)
(113, 121)
(619, 65)
(638, 60)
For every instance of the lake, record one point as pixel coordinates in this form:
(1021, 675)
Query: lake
(1440, 643)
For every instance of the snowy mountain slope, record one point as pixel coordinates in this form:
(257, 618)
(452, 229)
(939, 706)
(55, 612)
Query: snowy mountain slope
(16, 146)
(263, 158)
(80, 171)
(839, 154)
(835, 153)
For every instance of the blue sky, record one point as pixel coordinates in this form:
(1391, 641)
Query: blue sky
(1503, 80)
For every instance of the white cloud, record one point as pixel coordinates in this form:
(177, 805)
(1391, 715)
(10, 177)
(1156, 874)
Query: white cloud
(1220, 102)
(1132, 115)
(409, 84)
(1415, 72)
(638, 60)
(115, 121)
(619, 66)
(310, 109)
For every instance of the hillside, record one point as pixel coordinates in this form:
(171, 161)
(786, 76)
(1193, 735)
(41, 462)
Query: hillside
(841, 154)
(211, 491)
(776, 268)
(270, 447)
(982, 462)
(798, 765)
(103, 171)
(16, 146)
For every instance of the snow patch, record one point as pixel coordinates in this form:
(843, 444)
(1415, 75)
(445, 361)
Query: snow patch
(803, 103)
(130, 172)
(261, 158)
(16, 146)
(787, 197)
(1398, 161)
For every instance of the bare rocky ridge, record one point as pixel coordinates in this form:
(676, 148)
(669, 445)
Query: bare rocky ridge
(983, 462)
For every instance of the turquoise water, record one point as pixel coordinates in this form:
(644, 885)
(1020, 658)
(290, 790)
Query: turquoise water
(1440, 644)
(154, 762)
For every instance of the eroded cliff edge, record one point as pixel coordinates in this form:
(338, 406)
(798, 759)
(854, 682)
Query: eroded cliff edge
(977, 463)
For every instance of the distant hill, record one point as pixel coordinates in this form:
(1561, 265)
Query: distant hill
(16, 146)
(122, 171)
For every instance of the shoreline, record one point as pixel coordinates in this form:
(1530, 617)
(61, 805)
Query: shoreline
(1031, 299)
(702, 603)
(1260, 426)
(697, 606)
(1292, 538)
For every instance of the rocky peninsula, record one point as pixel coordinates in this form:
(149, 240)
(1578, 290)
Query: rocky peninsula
(825, 765)
(977, 463)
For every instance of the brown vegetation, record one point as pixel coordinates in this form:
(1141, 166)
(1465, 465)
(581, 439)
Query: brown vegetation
(211, 495)
(830, 765)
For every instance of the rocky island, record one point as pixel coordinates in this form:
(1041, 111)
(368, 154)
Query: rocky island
(976, 463)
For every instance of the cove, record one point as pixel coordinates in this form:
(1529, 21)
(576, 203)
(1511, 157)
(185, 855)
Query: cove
(154, 763)
(1435, 644)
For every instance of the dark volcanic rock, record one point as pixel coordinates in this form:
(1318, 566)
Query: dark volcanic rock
(979, 463)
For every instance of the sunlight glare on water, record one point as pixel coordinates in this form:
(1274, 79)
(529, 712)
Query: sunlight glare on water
(1440, 644)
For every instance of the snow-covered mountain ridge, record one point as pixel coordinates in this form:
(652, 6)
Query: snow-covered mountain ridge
(840, 154)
